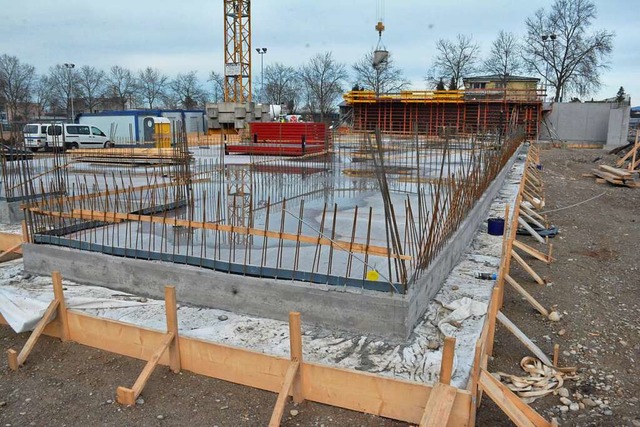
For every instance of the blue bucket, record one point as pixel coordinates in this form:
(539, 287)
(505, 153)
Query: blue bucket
(496, 226)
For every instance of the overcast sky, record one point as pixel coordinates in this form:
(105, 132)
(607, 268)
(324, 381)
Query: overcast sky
(179, 36)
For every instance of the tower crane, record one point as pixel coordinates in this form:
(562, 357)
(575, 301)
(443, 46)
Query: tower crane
(237, 51)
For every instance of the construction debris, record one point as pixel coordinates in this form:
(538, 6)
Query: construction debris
(541, 380)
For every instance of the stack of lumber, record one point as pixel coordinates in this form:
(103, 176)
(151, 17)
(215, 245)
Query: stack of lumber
(130, 156)
(616, 176)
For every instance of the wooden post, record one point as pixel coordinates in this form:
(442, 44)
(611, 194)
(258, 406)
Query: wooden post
(492, 313)
(25, 231)
(295, 342)
(556, 354)
(505, 253)
(446, 367)
(172, 326)
(62, 306)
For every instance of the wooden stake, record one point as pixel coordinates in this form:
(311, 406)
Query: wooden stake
(527, 295)
(556, 354)
(523, 339)
(439, 406)
(126, 396)
(278, 410)
(527, 268)
(62, 306)
(446, 367)
(532, 251)
(295, 343)
(518, 411)
(171, 311)
(17, 360)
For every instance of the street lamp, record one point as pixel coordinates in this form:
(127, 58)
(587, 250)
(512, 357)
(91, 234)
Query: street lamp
(546, 37)
(261, 51)
(70, 67)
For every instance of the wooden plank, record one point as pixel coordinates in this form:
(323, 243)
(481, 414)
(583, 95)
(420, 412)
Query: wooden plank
(9, 241)
(276, 415)
(527, 295)
(62, 305)
(295, 345)
(175, 222)
(532, 251)
(439, 406)
(370, 393)
(446, 366)
(11, 253)
(518, 411)
(358, 391)
(531, 219)
(19, 359)
(523, 339)
(531, 231)
(171, 312)
(622, 173)
(527, 268)
(127, 396)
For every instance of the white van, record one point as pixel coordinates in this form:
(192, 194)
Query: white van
(35, 136)
(72, 136)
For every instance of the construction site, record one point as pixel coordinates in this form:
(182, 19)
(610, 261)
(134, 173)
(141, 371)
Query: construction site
(400, 268)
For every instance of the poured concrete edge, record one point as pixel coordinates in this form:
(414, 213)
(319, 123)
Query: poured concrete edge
(431, 281)
(357, 310)
(360, 311)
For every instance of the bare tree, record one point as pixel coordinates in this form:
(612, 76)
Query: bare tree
(42, 95)
(122, 84)
(505, 56)
(188, 90)
(92, 83)
(322, 78)
(63, 84)
(151, 84)
(281, 86)
(384, 78)
(559, 47)
(217, 81)
(16, 80)
(455, 59)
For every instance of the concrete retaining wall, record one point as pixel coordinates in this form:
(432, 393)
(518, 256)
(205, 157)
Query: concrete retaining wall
(591, 123)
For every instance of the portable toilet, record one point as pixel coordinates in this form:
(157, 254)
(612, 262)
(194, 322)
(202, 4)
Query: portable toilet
(158, 129)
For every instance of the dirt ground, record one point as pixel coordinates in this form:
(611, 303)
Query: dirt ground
(594, 282)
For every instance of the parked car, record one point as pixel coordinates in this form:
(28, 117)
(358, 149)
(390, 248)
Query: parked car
(72, 136)
(35, 136)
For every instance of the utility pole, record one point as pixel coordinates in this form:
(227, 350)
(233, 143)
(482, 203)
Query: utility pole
(261, 51)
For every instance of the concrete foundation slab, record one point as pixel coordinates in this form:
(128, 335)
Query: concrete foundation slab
(341, 308)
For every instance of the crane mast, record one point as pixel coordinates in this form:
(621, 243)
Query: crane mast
(237, 51)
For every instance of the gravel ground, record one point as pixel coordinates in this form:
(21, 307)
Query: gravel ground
(595, 281)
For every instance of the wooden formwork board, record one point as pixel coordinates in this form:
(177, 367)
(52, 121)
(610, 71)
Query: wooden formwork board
(349, 389)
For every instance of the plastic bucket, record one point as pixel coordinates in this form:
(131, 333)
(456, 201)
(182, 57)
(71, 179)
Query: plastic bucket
(496, 226)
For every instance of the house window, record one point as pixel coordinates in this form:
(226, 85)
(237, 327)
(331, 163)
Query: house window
(478, 85)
